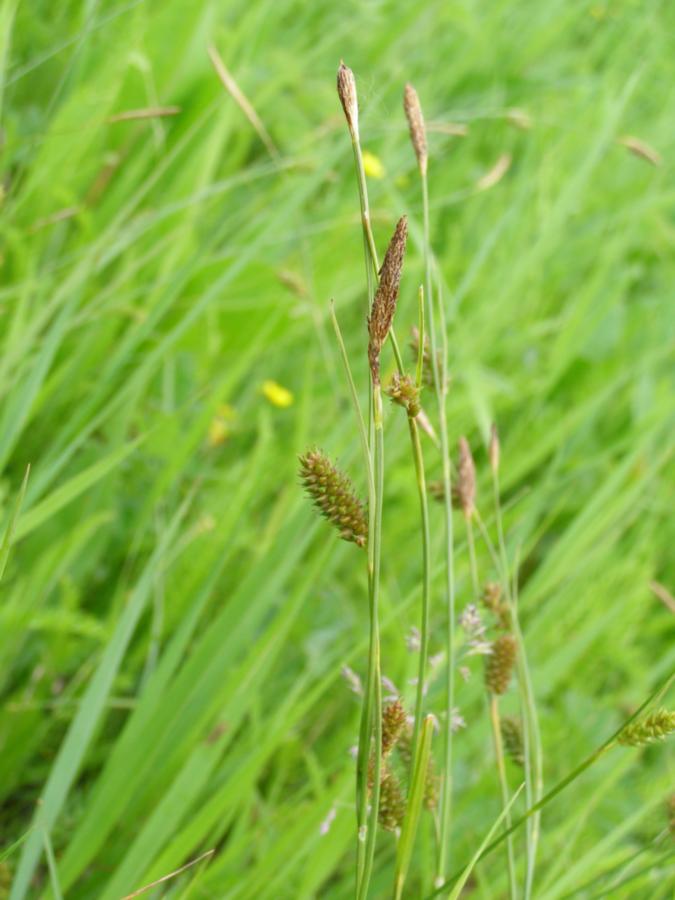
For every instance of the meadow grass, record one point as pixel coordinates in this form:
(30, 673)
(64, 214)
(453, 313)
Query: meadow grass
(173, 620)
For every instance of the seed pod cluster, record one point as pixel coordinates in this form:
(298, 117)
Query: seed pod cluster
(499, 664)
(650, 728)
(393, 723)
(403, 391)
(392, 802)
(333, 495)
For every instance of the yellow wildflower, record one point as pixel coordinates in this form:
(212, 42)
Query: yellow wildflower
(276, 394)
(372, 165)
(219, 429)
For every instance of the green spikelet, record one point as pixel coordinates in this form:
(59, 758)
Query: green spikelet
(392, 802)
(512, 735)
(334, 496)
(403, 391)
(393, 724)
(499, 664)
(650, 728)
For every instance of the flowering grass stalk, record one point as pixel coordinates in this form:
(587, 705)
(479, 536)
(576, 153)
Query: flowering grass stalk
(414, 115)
(349, 99)
(499, 664)
(532, 748)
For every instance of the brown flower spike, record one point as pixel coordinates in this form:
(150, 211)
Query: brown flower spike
(418, 133)
(384, 304)
(466, 478)
(393, 723)
(333, 495)
(346, 88)
(499, 664)
(391, 813)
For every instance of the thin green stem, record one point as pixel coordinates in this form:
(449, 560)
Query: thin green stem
(567, 780)
(504, 787)
(532, 747)
(374, 691)
(494, 722)
(426, 583)
(440, 388)
(471, 544)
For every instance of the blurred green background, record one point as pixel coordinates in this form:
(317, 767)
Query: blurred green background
(173, 618)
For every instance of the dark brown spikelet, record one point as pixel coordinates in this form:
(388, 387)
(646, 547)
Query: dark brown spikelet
(384, 303)
(392, 802)
(346, 88)
(403, 391)
(334, 496)
(466, 479)
(650, 728)
(499, 664)
(393, 724)
(418, 133)
(512, 736)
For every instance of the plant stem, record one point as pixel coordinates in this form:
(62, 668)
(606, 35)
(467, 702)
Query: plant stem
(503, 784)
(372, 718)
(426, 583)
(566, 781)
(532, 748)
(496, 730)
(440, 383)
(372, 274)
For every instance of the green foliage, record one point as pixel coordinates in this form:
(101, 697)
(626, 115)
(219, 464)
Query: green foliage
(172, 620)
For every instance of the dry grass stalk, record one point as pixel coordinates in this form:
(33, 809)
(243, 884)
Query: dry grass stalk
(496, 173)
(641, 149)
(242, 102)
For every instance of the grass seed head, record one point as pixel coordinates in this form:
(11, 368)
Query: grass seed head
(512, 735)
(403, 391)
(392, 802)
(346, 88)
(384, 303)
(466, 478)
(499, 664)
(418, 133)
(650, 728)
(393, 724)
(333, 495)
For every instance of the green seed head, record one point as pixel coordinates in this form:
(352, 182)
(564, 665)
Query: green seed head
(650, 728)
(499, 664)
(333, 495)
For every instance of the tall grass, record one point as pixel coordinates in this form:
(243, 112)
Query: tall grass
(156, 272)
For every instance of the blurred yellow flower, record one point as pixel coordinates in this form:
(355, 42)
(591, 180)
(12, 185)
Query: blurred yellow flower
(276, 394)
(372, 165)
(219, 429)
